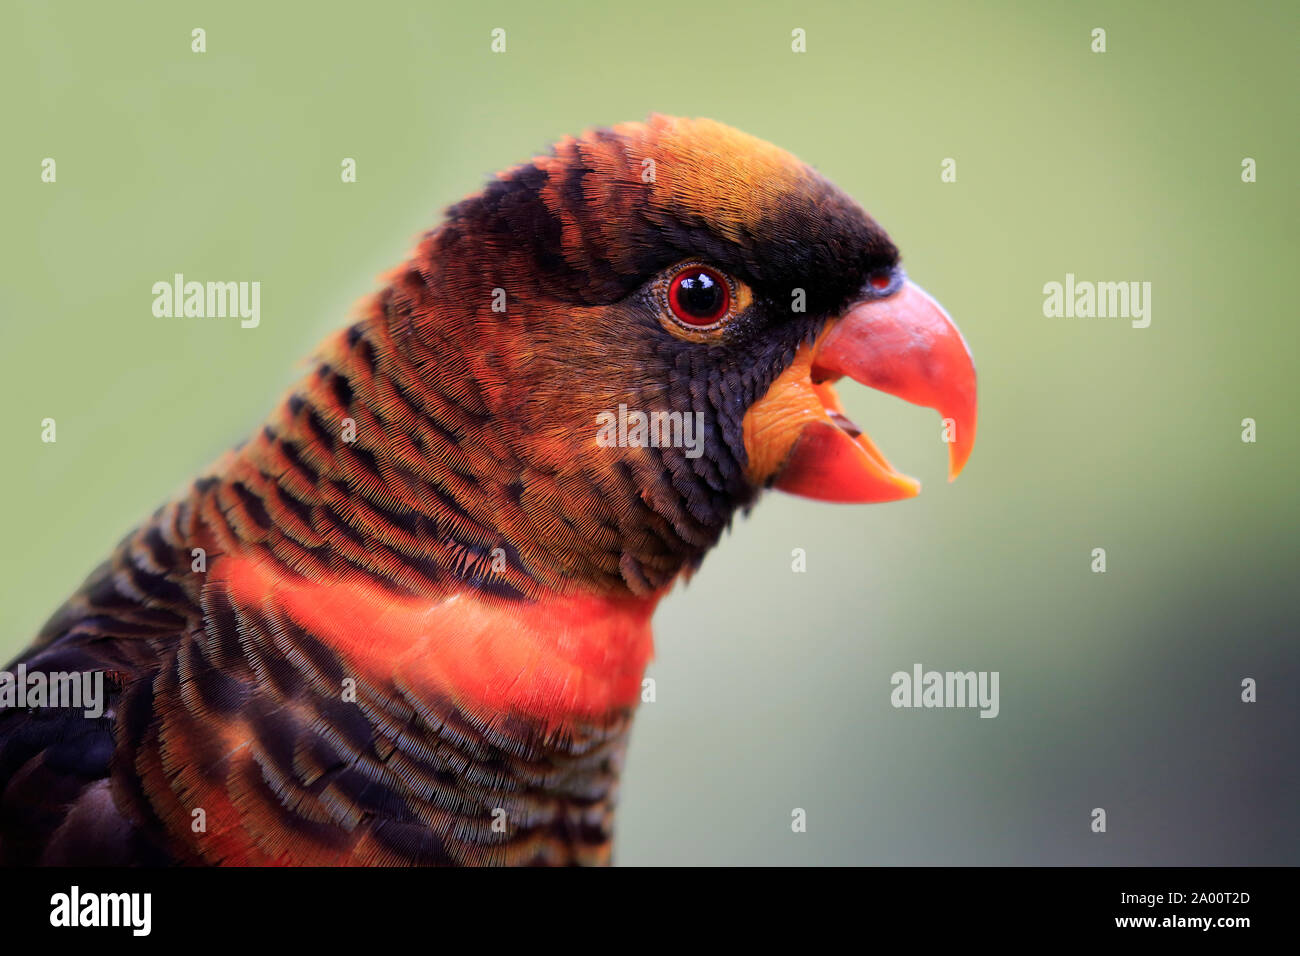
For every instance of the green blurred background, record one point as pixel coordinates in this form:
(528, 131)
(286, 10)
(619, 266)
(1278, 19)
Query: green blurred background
(1118, 690)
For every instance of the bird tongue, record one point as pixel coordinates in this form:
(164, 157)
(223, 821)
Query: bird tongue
(904, 345)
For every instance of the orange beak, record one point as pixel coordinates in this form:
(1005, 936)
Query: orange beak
(905, 345)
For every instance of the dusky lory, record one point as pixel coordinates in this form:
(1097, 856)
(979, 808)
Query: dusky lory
(407, 621)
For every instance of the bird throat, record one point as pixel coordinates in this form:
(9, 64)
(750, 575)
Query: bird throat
(390, 522)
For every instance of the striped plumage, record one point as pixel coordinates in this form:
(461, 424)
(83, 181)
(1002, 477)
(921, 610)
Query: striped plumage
(237, 710)
(406, 621)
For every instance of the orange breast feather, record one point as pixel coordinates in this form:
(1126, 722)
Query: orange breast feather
(560, 659)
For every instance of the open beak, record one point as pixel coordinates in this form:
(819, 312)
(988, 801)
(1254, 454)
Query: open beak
(905, 344)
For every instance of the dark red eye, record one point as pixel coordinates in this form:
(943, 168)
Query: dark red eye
(881, 281)
(699, 296)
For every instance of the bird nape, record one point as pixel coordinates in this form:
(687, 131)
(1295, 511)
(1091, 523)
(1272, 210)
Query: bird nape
(406, 622)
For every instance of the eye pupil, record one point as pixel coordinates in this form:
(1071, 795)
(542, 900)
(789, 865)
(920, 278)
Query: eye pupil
(698, 296)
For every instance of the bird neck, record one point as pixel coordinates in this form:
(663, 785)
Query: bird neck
(400, 461)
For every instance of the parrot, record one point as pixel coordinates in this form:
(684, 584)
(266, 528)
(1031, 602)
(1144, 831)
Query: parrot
(407, 620)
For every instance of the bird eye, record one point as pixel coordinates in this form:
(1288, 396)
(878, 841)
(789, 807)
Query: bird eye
(881, 281)
(698, 296)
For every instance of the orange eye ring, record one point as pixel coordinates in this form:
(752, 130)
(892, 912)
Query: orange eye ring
(699, 297)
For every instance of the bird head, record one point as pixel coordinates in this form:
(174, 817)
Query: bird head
(631, 337)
